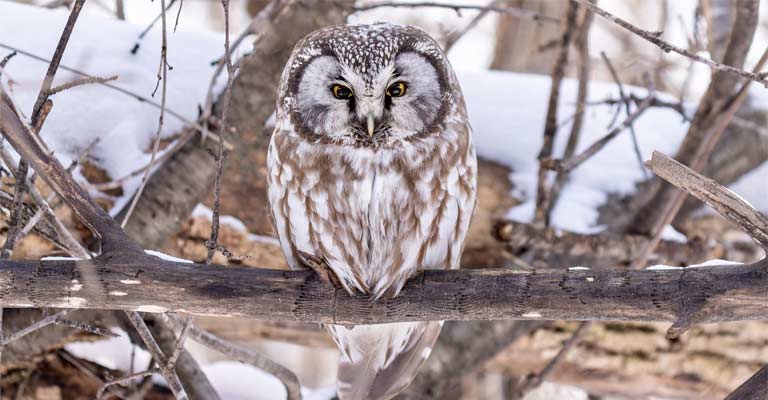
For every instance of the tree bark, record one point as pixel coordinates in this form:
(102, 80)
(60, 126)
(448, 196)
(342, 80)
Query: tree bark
(186, 178)
(147, 284)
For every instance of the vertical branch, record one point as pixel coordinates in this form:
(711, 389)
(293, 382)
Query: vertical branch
(212, 243)
(161, 76)
(39, 111)
(582, 46)
(550, 127)
(120, 9)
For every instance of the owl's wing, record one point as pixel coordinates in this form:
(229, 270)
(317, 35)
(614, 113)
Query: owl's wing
(379, 361)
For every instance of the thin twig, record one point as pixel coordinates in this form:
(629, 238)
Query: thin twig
(124, 379)
(535, 380)
(550, 125)
(7, 58)
(577, 160)
(51, 319)
(654, 37)
(180, 341)
(222, 153)
(628, 109)
(146, 30)
(149, 341)
(38, 118)
(288, 378)
(582, 45)
(137, 96)
(454, 37)
(156, 146)
(517, 12)
(92, 80)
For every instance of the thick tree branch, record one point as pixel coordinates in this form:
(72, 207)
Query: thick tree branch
(148, 284)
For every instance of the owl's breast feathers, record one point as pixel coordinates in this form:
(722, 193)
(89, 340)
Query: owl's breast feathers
(375, 215)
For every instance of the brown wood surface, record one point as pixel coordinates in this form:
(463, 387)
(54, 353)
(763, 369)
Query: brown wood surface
(133, 282)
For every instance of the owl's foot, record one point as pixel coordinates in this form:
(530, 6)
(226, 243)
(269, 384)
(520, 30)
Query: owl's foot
(320, 267)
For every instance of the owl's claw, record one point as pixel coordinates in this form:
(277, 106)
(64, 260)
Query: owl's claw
(320, 267)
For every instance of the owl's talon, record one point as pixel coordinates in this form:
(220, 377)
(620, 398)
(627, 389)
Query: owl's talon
(320, 267)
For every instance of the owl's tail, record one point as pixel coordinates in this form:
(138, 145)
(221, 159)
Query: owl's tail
(379, 361)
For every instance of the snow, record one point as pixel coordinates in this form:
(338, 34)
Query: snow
(202, 211)
(662, 267)
(113, 353)
(124, 126)
(510, 132)
(715, 261)
(167, 257)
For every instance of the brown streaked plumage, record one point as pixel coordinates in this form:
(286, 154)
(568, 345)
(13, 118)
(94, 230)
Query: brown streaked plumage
(376, 179)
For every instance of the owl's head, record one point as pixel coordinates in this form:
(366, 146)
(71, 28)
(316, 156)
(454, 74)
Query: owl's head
(367, 84)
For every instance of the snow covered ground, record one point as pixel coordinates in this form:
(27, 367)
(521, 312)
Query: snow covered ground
(507, 113)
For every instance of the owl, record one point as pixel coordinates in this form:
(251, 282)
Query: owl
(373, 176)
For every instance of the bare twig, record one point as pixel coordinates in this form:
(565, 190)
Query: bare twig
(455, 36)
(628, 109)
(7, 58)
(51, 319)
(163, 76)
(582, 45)
(654, 37)
(522, 13)
(288, 378)
(222, 153)
(168, 373)
(37, 121)
(14, 223)
(577, 160)
(91, 80)
(82, 326)
(535, 380)
(137, 96)
(123, 380)
(146, 30)
(180, 341)
(550, 125)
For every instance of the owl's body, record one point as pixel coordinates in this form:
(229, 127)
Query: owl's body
(376, 182)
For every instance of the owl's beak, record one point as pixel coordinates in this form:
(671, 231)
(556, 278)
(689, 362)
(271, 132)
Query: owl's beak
(370, 125)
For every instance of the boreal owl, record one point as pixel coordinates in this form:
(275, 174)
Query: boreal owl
(373, 172)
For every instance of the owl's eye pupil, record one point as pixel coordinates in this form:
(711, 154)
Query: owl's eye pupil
(396, 89)
(341, 92)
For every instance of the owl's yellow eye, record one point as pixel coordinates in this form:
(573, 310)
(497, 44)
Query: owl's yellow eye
(396, 89)
(341, 92)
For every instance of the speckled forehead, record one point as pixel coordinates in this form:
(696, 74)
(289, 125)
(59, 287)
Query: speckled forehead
(367, 49)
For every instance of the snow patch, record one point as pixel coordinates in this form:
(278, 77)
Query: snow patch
(166, 257)
(713, 262)
(661, 267)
